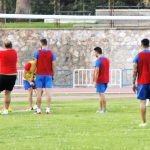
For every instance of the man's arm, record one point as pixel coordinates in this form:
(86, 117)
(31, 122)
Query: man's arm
(24, 74)
(53, 67)
(96, 72)
(135, 73)
(53, 63)
(34, 68)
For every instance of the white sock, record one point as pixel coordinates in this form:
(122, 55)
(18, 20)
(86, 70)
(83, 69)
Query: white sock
(6, 110)
(48, 109)
(38, 110)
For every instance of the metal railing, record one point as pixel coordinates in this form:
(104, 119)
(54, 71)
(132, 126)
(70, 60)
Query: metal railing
(118, 77)
(63, 78)
(84, 78)
(19, 81)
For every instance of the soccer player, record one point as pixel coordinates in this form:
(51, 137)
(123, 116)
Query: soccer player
(45, 62)
(28, 82)
(141, 73)
(101, 78)
(8, 72)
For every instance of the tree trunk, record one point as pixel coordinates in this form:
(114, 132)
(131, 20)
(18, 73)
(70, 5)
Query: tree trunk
(1, 6)
(56, 7)
(146, 2)
(2, 9)
(23, 7)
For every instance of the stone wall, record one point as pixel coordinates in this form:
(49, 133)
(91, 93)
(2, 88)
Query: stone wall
(74, 48)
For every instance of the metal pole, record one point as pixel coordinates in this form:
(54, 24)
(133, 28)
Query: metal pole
(111, 4)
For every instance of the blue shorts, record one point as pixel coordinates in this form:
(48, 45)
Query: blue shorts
(143, 91)
(101, 88)
(26, 84)
(43, 81)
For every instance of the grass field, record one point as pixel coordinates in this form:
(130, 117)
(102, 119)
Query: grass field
(74, 125)
(36, 25)
(41, 25)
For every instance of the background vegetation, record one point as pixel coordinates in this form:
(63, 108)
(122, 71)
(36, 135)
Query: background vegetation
(64, 6)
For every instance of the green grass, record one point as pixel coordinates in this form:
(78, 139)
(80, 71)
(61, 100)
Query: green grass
(74, 125)
(36, 25)
(56, 95)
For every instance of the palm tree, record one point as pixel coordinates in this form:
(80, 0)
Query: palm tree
(23, 7)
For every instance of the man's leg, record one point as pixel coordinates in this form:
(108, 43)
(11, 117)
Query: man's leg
(143, 111)
(39, 99)
(48, 99)
(7, 99)
(30, 93)
(102, 101)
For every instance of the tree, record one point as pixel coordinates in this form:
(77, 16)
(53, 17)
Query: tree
(1, 6)
(56, 7)
(23, 7)
(146, 2)
(2, 9)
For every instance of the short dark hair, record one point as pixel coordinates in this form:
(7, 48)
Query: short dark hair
(98, 49)
(43, 41)
(8, 44)
(145, 42)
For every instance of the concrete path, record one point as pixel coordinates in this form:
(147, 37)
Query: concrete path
(80, 94)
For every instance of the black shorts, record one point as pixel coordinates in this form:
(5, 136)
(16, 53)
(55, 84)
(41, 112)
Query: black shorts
(7, 82)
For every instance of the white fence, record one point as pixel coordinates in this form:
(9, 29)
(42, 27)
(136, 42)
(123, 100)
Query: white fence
(83, 77)
(19, 82)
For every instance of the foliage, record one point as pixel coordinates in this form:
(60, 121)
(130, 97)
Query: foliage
(47, 6)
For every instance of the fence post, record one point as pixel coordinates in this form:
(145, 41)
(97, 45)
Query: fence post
(74, 78)
(121, 78)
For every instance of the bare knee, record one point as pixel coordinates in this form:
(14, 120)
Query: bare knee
(7, 92)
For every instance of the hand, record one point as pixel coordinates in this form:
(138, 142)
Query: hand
(134, 88)
(32, 76)
(52, 78)
(32, 84)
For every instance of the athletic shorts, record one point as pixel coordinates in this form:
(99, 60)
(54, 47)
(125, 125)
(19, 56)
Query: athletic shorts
(43, 81)
(101, 88)
(143, 91)
(7, 82)
(27, 85)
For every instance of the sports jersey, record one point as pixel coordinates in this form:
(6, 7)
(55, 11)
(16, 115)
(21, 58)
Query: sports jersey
(103, 64)
(143, 62)
(8, 61)
(29, 68)
(44, 61)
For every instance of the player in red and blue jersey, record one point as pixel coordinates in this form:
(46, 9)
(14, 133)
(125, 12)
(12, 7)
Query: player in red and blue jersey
(101, 77)
(141, 73)
(45, 61)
